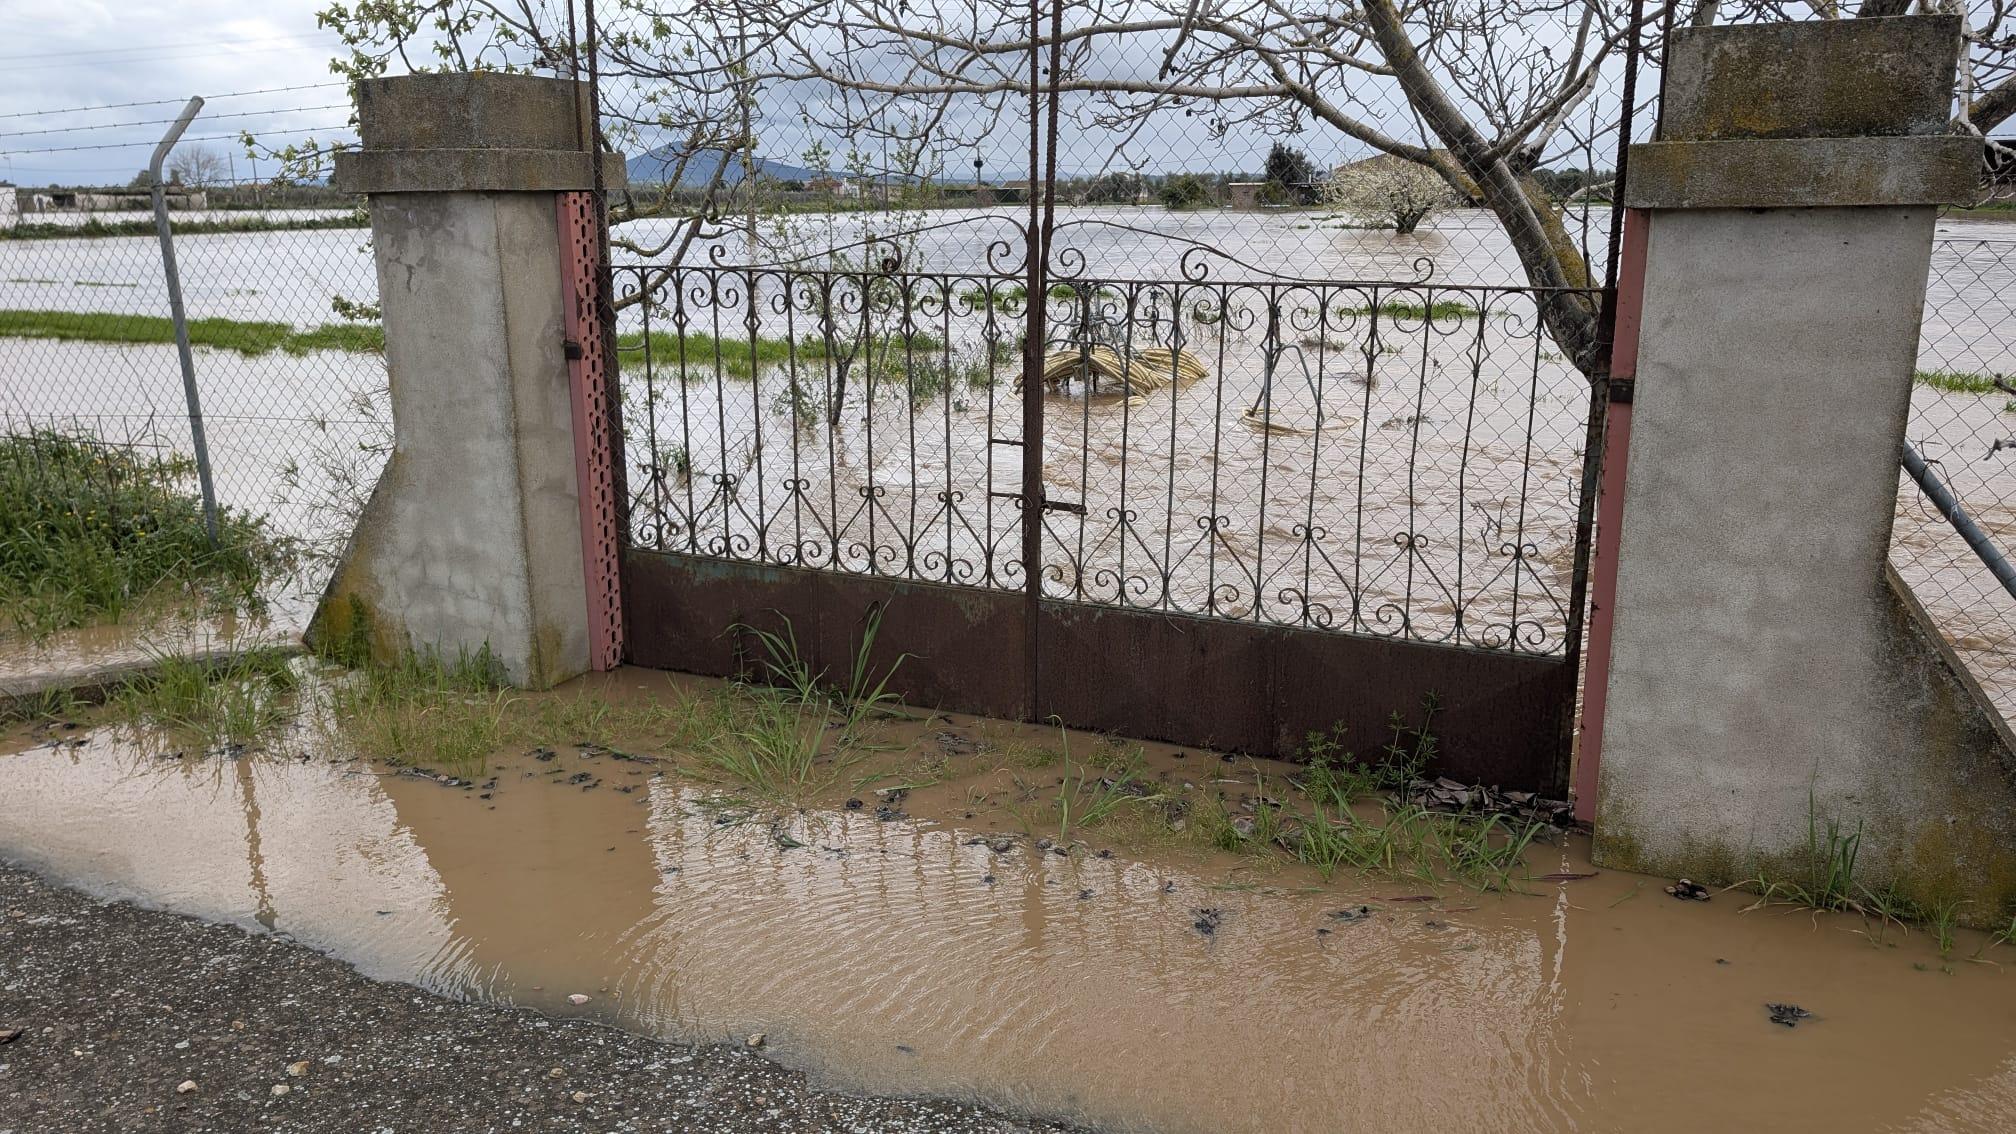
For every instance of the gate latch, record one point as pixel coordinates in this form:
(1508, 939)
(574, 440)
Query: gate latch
(1049, 505)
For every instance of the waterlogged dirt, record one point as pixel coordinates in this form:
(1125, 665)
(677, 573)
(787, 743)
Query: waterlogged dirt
(1125, 975)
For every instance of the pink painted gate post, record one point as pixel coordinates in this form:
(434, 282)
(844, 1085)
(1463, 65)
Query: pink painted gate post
(588, 377)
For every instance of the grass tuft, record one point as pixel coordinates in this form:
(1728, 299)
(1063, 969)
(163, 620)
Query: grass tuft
(215, 703)
(89, 528)
(423, 711)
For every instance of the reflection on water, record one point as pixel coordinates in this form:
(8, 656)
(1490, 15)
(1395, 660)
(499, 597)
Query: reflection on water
(894, 956)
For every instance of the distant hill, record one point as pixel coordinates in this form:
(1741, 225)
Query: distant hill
(658, 165)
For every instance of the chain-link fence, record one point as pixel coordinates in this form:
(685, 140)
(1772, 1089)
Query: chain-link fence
(1963, 420)
(281, 304)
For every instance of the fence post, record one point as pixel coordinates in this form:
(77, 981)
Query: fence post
(181, 318)
(1765, 677)
(477, 536)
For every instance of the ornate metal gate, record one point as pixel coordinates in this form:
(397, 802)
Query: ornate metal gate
(1194, 499)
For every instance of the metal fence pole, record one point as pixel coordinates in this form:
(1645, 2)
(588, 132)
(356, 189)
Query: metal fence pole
(1943, 499)
(168, 141)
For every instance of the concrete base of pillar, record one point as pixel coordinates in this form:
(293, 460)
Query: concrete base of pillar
(471, 541)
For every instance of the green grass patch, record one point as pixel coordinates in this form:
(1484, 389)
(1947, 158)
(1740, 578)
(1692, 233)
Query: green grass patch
(1403, 309)
(745, 357)
(88, 529)
(143, 225)
(1958, 381)
(247, 338)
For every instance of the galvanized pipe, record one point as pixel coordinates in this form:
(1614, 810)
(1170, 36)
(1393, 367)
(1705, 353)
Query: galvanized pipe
(1942, 498)
(181, 318)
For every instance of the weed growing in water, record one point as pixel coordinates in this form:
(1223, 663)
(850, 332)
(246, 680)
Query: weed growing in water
(770, 743)
(771, 736)
(1829, 881)
(213, 702)
(422, 710)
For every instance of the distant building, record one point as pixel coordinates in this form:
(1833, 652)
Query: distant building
(1245, 194)
(10, 205)
(122, 200)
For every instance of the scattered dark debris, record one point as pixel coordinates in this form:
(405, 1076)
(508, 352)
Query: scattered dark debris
(1445, 794)
(1403, 421)
(1168, 887)
(854, 805)
(580, 777)
(893, 795)
(1083, 895)
(1688, 890)
(906, 1049)
(1207, 920)
(543, 753)
(784, 839)
(1322, 932)
(1721, 960)
(1413, 898)
(1787, 1014)
(1568, 876)
(1044, 844)
(1352, 915)
(437, 777)
(888, 814)
(987, 880)
(1104, 852)
(956, 743)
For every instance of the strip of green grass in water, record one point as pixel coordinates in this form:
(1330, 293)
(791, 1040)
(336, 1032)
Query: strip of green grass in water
(144, 226)
(738, 357)
(744, 357)
(1402, 309)
(1957, 381)
(246, 338)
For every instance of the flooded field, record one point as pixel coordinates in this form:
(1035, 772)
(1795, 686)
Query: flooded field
(948, 932)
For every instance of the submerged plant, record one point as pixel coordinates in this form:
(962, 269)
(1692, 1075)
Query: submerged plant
(422, 709)
(214, 702)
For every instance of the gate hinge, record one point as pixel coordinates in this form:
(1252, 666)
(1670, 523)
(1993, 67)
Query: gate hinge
(571, 349)
(1621, 390)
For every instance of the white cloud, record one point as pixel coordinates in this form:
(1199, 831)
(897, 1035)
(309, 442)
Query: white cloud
(90, 54)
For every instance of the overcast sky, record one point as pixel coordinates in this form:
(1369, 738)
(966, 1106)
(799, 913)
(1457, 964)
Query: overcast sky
(65, 54)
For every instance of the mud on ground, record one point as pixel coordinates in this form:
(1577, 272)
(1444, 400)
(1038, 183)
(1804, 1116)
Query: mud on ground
(117, 1006)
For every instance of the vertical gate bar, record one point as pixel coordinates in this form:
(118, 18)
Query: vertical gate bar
(594, 447)
(1035, 254)
(1608, 501)
(1597, 451)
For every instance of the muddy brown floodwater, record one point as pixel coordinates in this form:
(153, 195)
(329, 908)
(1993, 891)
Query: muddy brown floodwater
(903, 953)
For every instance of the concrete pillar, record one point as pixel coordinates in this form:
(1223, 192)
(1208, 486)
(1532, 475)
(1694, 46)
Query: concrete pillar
(1767, 675)
(473, 538)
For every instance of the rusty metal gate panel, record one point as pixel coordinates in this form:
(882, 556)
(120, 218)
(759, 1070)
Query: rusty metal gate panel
(1192, 498)
(1268, 506)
